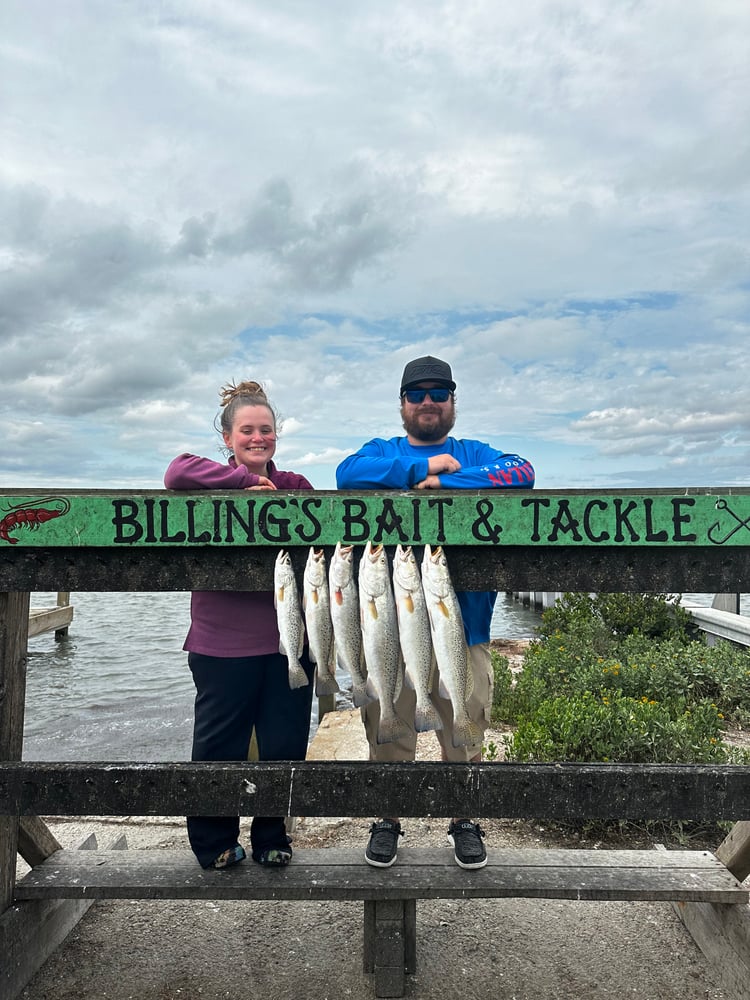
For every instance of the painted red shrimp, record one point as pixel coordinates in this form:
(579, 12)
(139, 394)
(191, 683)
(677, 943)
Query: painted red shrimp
(31, 515)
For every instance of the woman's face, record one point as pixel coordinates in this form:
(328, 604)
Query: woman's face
(252, 438)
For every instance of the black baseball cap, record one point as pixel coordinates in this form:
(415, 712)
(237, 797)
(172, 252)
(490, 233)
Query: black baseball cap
(427, 369)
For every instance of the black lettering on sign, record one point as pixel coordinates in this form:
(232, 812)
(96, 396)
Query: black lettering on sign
(678, 518)
(313, 534)
(417, 536)
(564, 523)
(588, 530)
(621, 520)
(218, 508)
(651, 535)
(126, 524)
(232, 515)
(272, 527)
(440, 503)
(482, 529)
(149, 503)
(388, 522)
(356, 528)
(205, 536)
(164, 536)
(535, 503)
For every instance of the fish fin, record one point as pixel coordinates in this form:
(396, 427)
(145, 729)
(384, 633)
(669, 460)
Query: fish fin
(466, 734)
(373, 609)
(338, 595)
(297, 676)
(408, 603)
(399, 682)
(325, 684)
(392, 729)
(469, 678)
(443, 607)
(409, 680)
(360, 695)
(371, 690)
(443, 690)
(426, 717)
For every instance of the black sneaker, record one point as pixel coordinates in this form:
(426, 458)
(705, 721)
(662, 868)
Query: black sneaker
(466, 838)
(383, 846)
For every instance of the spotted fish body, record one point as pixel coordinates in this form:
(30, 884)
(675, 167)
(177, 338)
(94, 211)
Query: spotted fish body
(289, 618)
(380, 640)
(449, 643)
(347, 630)
(316, 605)
(414, 636)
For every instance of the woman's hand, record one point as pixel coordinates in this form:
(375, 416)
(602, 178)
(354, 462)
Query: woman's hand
(263, 484)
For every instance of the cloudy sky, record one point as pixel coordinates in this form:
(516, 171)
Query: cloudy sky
(553, 196)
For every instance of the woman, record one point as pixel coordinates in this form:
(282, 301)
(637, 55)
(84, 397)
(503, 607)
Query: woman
(240, 677)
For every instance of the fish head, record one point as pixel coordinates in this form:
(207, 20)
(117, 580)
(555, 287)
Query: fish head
(435, 573)
(405, 570)
(315, 567)
(341, 571)
(373, 571)
(283, 574)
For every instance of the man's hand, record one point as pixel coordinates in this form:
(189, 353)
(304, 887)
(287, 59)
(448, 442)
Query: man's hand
(429, 483)
(442, 463)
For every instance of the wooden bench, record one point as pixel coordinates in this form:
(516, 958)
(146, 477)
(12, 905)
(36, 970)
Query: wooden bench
(390, 921)
(389, 895)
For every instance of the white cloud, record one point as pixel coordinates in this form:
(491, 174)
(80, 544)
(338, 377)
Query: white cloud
(554, 198)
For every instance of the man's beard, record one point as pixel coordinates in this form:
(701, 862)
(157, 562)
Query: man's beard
(434, 430)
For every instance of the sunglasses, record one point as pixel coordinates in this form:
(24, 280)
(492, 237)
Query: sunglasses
(418, 395)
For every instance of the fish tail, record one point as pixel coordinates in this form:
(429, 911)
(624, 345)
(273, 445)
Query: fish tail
(426, 717)
(325, 684)
(465, 733)
(297, 676)
(360, 695)
(391, 728)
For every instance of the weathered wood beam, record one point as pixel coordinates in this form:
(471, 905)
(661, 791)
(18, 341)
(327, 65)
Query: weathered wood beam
(14, 618)
(334, 788)
(36, 842)
(566, 568)
(31, 930)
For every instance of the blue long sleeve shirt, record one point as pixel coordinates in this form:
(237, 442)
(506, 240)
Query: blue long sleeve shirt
(397, 464)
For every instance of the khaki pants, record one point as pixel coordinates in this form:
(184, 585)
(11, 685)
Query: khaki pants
(479, 708)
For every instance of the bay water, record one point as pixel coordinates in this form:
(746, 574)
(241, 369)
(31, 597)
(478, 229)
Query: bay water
(119, 688)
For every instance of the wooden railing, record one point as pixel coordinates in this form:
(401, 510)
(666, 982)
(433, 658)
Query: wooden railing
(662, 540)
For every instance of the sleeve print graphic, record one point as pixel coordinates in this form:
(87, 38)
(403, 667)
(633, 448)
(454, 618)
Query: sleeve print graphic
(513, 471)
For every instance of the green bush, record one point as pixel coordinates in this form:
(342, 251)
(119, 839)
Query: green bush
(622, 677)
(615, 727)
(658, 616)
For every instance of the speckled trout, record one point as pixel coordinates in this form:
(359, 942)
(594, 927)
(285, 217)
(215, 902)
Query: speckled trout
(317, 608)
(414, 636)
(289, 618)
(347, 630)
(380, 640)
(449, 643)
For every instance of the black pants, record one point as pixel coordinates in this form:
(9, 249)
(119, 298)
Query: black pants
(233, 695)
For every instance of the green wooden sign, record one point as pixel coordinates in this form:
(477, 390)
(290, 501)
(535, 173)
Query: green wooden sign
(484, 518)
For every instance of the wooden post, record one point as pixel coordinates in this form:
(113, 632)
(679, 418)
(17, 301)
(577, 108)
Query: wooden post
(14, 623)
(63, 601)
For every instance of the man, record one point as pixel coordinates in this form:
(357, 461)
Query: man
(429, 458)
